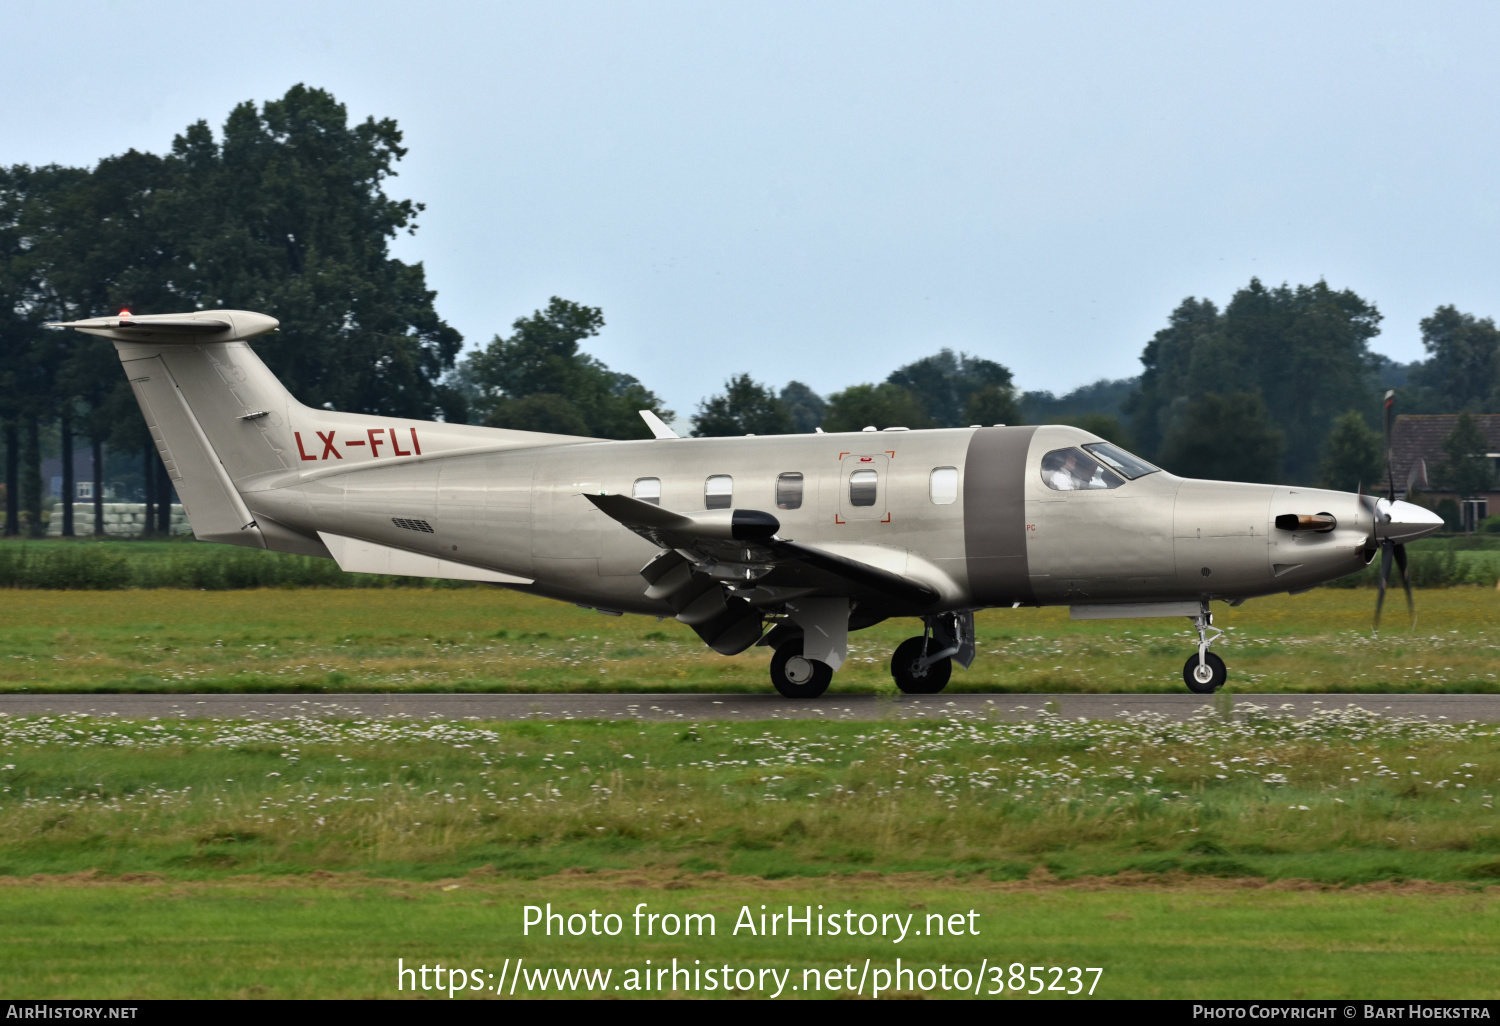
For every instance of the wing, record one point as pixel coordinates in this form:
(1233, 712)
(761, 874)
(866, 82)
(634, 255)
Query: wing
(740, 547)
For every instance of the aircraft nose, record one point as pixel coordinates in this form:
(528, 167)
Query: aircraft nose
(1402, 522)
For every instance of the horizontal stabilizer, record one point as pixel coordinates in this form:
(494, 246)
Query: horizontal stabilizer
(197, 327)
(362, 557)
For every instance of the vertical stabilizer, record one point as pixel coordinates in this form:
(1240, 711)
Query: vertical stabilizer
(196, 381)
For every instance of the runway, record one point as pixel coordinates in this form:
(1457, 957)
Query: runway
(1455, 708)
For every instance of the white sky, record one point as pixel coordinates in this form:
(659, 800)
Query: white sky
(825, 191)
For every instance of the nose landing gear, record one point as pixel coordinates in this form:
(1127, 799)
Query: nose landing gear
(1205, 672)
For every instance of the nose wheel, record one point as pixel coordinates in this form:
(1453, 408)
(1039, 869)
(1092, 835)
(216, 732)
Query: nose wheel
(1205, 673)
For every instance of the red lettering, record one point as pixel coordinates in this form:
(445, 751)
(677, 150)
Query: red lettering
(376, 437)
(355, 442)
(395, 445)
(414, 443)
(327, 441)
(298, 435)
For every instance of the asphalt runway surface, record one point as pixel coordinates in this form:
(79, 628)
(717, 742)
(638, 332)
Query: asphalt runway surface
(832, 706)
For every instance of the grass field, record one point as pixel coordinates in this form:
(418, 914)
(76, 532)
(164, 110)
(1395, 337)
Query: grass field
(1339, 856)
(481, 639)
(1261, 856)
(1341, 797)
(341, 937)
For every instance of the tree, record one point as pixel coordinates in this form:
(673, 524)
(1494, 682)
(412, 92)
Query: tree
(541, 411)
(806, 407)
(1106, 427)
(1467, 469)
(542, 357)
(1353, 456)
(287, 213)
(1167, 380)
(744, 408)
(1304, 350)
(1224, 438)
(1460, 372)
(1102, 396)
(881, 406)
(992, 404)
(944, 384)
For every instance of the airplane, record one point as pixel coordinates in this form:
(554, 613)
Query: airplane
(789, 541)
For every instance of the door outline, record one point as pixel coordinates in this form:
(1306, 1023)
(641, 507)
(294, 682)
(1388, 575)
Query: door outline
(880, 462)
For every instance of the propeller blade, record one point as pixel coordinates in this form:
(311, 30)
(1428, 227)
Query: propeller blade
(1390, 471)
(1416, 477)
(1385, 576)
(1411, 605)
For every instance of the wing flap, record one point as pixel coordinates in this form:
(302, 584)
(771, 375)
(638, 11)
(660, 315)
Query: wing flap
(749, 536)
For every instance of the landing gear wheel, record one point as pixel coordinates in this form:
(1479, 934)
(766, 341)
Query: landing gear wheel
(914, 681)
(796, 676)
(1205, 679)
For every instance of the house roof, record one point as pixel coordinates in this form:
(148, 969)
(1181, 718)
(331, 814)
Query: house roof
(1417, 436)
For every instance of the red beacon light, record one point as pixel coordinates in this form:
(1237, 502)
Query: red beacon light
(124, 315)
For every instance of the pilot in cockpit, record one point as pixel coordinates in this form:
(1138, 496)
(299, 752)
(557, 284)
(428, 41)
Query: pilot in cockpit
(1067, 470)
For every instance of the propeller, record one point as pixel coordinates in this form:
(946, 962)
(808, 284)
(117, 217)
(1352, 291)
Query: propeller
(1391, 550)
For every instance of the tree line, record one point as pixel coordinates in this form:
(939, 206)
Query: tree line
(285, 210)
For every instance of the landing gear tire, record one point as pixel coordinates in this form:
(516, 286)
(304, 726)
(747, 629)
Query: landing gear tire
(912, 680)
(796, 676)
(1207, 678)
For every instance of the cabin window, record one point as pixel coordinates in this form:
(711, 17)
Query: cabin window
(1067, 470)
(789, 491)
(647, 489)
(1120, 461)
(718, 492)
(863, 485)
(942, 486)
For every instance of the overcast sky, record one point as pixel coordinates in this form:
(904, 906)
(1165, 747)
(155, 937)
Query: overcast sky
(824, 191)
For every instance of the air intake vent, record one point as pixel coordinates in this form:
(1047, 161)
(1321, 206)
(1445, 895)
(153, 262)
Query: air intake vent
(412, 525)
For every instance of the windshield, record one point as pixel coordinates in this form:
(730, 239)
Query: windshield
(1120, 461)
(1067, 470)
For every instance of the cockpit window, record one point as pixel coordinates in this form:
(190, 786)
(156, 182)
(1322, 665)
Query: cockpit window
(1067, 470)
(1120, 461)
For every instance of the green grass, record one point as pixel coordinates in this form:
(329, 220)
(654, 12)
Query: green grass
(1338, 798)
(90, 564)
(483, 639)
(342, 936)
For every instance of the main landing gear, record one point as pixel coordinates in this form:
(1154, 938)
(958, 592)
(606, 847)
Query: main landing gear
(1205, 672)
(795, 675)
(921, 665)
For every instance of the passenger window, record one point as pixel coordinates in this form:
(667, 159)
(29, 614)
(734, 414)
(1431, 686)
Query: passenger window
(718, 492)
(942, 486)
(789, 491)
(1067, 470)
(647, 489)
(863, 484)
